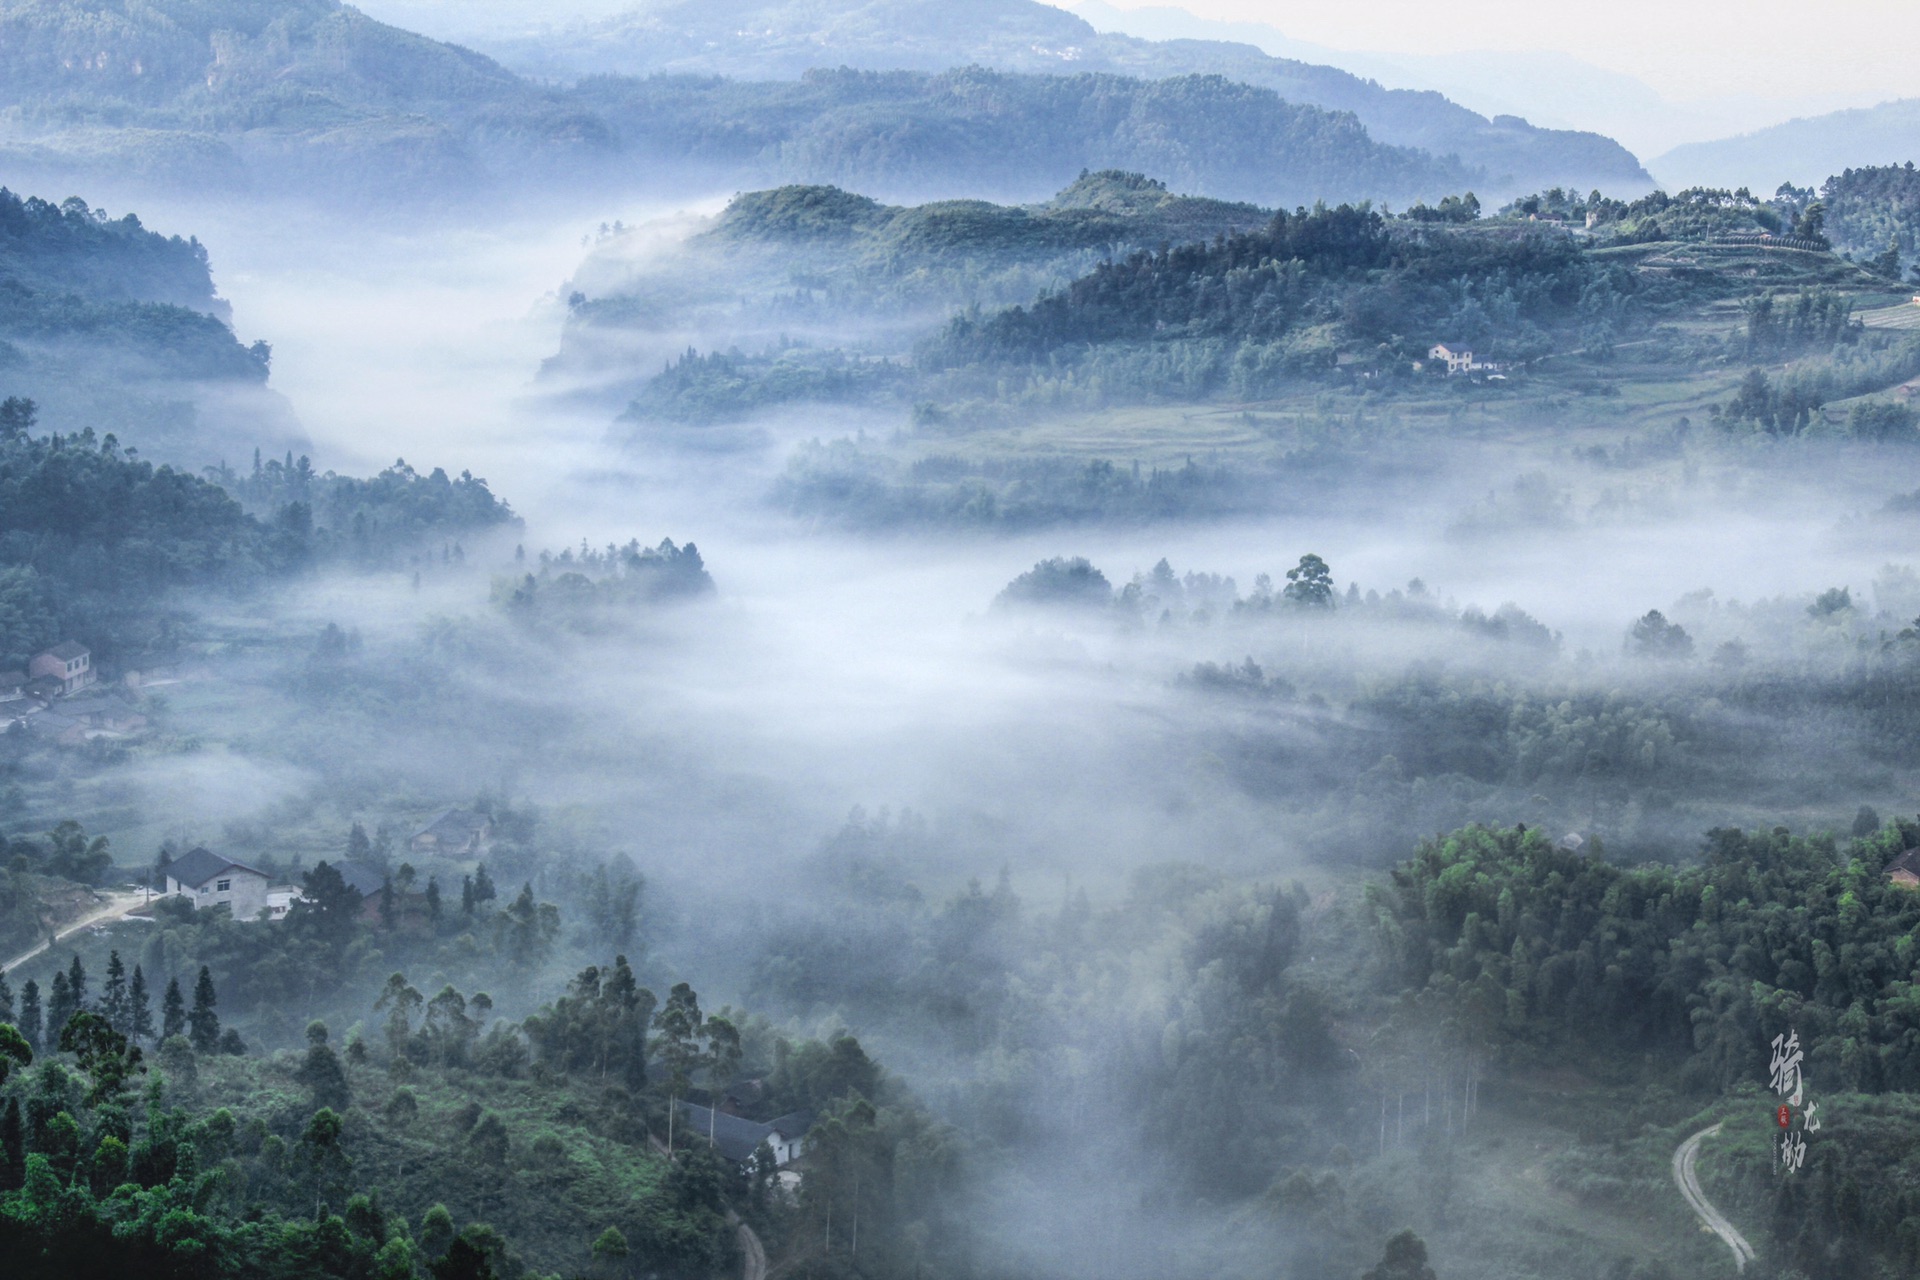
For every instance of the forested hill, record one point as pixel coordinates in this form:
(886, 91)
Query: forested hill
(71, 249)
(795, 266)
(783, 39)
(312, 96)
(110, 326)
(1097, 210)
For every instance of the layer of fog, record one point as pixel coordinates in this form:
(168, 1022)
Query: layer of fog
(837, 670)
(718, 742)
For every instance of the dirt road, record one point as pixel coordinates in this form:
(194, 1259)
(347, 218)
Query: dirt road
(1688, 1181)
(753, 1255)
(118, 904)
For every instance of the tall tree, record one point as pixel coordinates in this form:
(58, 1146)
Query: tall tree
(139, 1008)
(173, 1012)
(77, 983)
(60, 1006)
(677, 1045)
(104, 1055)
(6, 1000)
(203, 1024)
(1310, 583)
(30, 1018)
(399, 1000)
(114, 1005)
(321, 1071)
(14, 1050)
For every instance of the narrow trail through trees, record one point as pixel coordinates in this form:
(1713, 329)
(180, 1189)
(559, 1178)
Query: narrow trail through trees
(1688, 1181)
(118, 904)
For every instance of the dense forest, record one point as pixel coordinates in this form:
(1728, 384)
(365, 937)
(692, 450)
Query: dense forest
(108, 292)
(1874, 210)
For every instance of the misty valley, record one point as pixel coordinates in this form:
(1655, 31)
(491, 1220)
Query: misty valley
(876, 641)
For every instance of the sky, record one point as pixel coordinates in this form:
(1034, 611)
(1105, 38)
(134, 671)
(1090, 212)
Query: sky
(1694, 48)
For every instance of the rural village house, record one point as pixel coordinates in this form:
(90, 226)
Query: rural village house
(67, 664)
(453, 833)
(206, 879)
(736, 1139)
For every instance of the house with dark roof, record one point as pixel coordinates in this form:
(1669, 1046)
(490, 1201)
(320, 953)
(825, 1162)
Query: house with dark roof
(206, 879)
(736, 1139)
(69, 664)
(1905, 869)
(453, 833)
(363, 877)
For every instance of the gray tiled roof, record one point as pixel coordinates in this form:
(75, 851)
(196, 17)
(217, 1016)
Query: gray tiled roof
(201, 864)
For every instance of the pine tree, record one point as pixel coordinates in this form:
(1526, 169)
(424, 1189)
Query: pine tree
(203, 1024)
(466, 895)
(77, 983)
(359, 848)
(173, 1012)
(433, 900)
(6, 1000)
(29, 1023)
(139, 1008)
(482, 886)
(60, 1007)
(113, 993)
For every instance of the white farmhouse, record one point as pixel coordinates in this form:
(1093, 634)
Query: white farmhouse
(206, 879)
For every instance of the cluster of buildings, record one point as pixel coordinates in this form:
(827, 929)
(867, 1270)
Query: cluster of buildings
(207, 879)
(1461, 360)
(57, 697)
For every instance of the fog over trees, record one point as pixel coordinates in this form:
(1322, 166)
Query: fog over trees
(722, 641)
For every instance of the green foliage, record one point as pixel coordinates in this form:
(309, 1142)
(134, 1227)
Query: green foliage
(90, 538)
(1550, 952)
(1792, 403)
(1074, 583)
(839, 482)
(122, 300)
(587, 589)
(368, 522)
(14, 1050)
(1310, 584)
(700, 390)
(1872, 208)
(1405, 1259)
(1655, 637)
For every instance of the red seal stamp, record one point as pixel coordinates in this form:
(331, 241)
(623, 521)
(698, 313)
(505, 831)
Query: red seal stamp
(1784, 1115)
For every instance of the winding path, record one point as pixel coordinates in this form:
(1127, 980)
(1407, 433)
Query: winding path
(1688, 1181)
(118, 904)
(753, 1255)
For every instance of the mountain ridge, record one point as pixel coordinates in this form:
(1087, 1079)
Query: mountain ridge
(781, 41)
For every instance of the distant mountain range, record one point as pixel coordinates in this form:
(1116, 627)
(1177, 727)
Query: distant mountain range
(312, 96)
(759, 39)
(1800, 151)
(1554, 89)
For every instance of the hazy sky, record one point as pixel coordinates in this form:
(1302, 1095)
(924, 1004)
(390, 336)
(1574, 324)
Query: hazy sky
(1684, 49)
